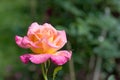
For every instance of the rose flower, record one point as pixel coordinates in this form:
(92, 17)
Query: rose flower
(44, 41)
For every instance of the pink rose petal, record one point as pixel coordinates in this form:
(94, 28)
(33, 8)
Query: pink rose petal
(61, 57)
(60, 41)
(49, 26)
(22, 41)
(25, 58)
(33, 28)
(35, 58)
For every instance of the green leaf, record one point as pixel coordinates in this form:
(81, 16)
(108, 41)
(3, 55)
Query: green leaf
(56, 71)
(111, 77)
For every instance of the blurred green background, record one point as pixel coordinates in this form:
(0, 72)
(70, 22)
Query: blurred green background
(93, 32)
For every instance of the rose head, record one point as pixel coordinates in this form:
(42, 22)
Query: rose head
(45, 41)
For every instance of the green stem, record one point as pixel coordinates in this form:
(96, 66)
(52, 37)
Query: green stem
(44, 71)
(47, 65)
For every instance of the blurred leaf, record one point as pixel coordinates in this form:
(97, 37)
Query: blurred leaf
(111, 77)
(56, 71)
(69, 6)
